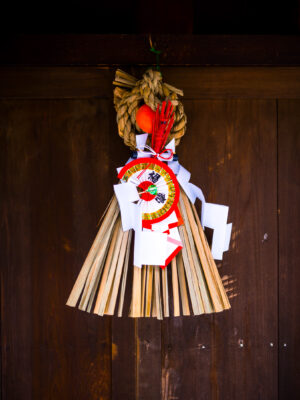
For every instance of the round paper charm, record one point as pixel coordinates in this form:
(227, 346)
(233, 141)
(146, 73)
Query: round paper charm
(157, 186)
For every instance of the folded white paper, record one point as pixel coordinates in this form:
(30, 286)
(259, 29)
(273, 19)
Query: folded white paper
(131, 214)
(213, 216)
(149, 248)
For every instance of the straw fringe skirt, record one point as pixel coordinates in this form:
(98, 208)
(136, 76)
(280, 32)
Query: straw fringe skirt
(190, 285)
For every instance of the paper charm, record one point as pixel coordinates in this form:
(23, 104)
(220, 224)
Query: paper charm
(156, 194)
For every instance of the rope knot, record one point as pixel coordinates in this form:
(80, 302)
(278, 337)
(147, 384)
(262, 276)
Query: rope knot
(168, 153)
(129, 96)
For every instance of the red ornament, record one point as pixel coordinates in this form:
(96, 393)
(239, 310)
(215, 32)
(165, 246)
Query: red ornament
(144, 118)
(164, 120)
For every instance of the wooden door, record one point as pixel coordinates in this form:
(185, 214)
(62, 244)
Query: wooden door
(59, 151)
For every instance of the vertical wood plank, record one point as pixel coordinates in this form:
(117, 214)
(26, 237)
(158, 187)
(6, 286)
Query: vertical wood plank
(148, 358)
(124, 348)
(289, 234)
(124, 351)
(16, 257)
(186, 358)
(123, 358)
(67, 171)
(86, 127)
(230, 149)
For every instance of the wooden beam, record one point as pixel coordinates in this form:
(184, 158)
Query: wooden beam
(192, 50)
(196, 82)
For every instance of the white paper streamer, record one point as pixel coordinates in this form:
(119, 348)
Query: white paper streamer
(213, 216)
(149, 248)
(131, 214)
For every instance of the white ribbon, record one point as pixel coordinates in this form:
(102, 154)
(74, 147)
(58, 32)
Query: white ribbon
(142, 153)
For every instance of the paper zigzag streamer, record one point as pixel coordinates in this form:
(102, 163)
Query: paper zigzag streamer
(173, 269)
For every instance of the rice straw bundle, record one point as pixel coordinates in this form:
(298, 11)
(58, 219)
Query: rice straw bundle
(194, 285)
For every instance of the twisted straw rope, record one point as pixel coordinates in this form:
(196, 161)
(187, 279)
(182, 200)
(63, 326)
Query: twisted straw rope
(150, 90)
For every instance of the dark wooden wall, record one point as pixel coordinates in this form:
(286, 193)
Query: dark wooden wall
(59, 150)
(135, 16)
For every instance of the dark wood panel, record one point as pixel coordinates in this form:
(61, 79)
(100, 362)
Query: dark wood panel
(56, 82)
(58, 182)
(289, 244)
(58, 159)
(124, 346)
(197, 83)
(148, 377)
(230, 50)
(230, 149)
(123, 358)
(186, 358)
(233, 82)
(137, 17)
(16, 269)
(244, 340)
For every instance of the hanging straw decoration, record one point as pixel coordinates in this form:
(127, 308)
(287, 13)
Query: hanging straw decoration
(156, 196)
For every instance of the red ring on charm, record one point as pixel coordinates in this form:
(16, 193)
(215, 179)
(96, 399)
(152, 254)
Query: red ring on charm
(164, 166)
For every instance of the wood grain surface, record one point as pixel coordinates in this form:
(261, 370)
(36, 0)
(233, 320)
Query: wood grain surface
(202, 83)
(229, 143)
(58, 160)
(289, 244)
(177, 49)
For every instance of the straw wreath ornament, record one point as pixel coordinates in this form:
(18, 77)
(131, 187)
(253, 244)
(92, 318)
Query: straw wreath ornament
(154, 199)
(131, 94)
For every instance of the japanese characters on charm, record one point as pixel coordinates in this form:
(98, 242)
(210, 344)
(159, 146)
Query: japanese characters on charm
(153, 205)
